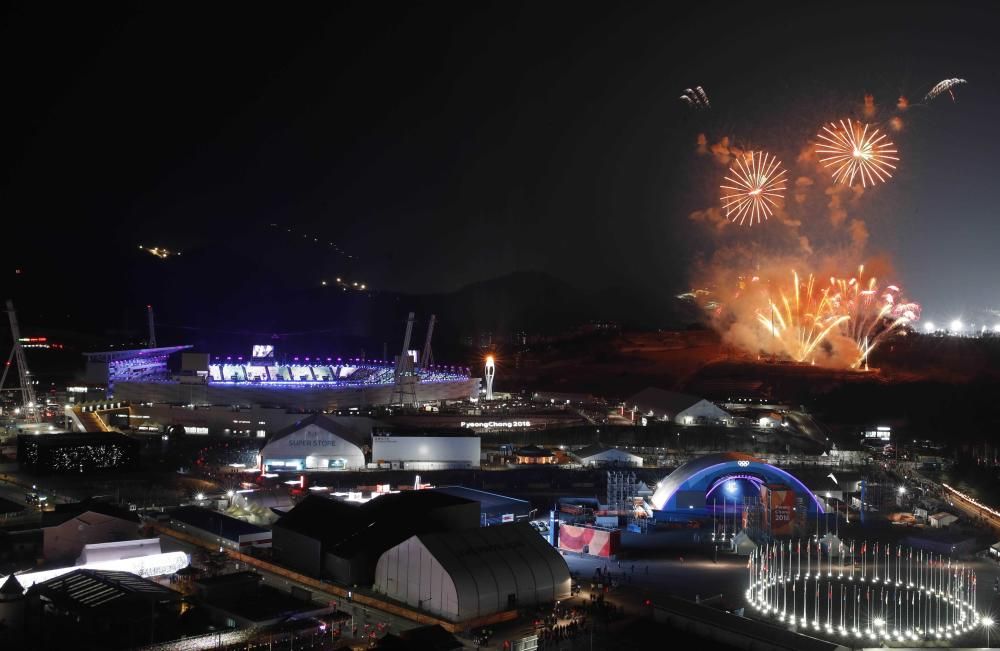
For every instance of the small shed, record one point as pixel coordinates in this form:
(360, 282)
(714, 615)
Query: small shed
(942, 520)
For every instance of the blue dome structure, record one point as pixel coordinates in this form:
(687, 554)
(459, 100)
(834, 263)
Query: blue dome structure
(690, 487)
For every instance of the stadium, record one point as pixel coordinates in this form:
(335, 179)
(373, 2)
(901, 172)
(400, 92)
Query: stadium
(158, 384)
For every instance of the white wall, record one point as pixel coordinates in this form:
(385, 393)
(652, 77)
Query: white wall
(427, 452)
(408, 573)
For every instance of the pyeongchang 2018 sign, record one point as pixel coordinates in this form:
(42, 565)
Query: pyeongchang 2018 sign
(497, 424)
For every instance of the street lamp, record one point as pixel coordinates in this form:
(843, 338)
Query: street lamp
(986, 622)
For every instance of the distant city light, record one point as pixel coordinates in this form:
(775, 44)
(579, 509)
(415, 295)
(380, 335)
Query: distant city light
(929, 327)
(956, 325)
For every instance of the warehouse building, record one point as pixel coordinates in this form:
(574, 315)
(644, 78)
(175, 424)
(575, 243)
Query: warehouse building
(475, 573)
(319, 442)
(493, 508)
(220, 529)
(652, 404)
(91, 609)
(417, 450)
(598, 455)
(336, 540)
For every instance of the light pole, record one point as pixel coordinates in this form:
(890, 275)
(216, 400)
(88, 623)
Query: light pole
(986, 622)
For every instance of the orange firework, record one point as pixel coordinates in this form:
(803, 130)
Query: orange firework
(753, 188)
(856, 150)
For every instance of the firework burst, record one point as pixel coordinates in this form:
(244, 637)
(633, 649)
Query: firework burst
(874, 314)
(801, 319)
(753, 188)
(856, 150)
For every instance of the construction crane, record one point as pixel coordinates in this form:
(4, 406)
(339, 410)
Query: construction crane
(28, 404)
(427, 357)
(403, 388)
(151, 341)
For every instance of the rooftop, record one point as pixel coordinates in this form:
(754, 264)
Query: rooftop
(532, 451)
(592, 450)
(359, 437)
(348, 527)
(118, 355)
(89, 589)
(215, 522)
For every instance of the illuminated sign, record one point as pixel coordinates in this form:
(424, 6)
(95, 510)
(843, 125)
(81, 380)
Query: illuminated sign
(262, 351)
(881, 433)
(497, 424)
(507, 517)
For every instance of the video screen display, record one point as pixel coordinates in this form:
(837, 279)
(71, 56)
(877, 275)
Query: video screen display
(263, 351)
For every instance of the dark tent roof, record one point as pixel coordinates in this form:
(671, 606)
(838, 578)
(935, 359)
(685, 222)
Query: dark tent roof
(85, 589)
(352, 435)
(11, 586)
(347, 528)
(64, 512)
(215, 522)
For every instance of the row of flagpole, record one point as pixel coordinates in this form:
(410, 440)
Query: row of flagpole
(927, 593)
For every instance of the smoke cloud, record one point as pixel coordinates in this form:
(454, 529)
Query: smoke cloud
(751, 297)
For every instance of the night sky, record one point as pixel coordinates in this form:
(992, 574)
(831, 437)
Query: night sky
(440, 145)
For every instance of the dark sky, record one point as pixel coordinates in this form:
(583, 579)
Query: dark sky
(442, 144)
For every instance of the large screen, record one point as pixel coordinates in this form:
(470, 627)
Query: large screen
(261, 351)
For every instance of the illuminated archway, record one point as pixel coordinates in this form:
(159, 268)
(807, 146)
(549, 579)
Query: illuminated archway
(688, 487)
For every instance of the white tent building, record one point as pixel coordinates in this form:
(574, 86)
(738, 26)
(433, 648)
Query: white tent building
(460, 575)
(657, 404)
(598, 455)
(319, 443)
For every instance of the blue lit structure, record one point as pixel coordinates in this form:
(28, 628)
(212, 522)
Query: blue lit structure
(691, 488)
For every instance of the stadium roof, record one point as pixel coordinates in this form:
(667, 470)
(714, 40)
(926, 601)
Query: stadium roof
(350, 434)
(87, 589)
(662, 401)
(119, 355)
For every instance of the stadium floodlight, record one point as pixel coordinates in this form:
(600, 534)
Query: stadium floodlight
(956, 325)
(929, 326)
